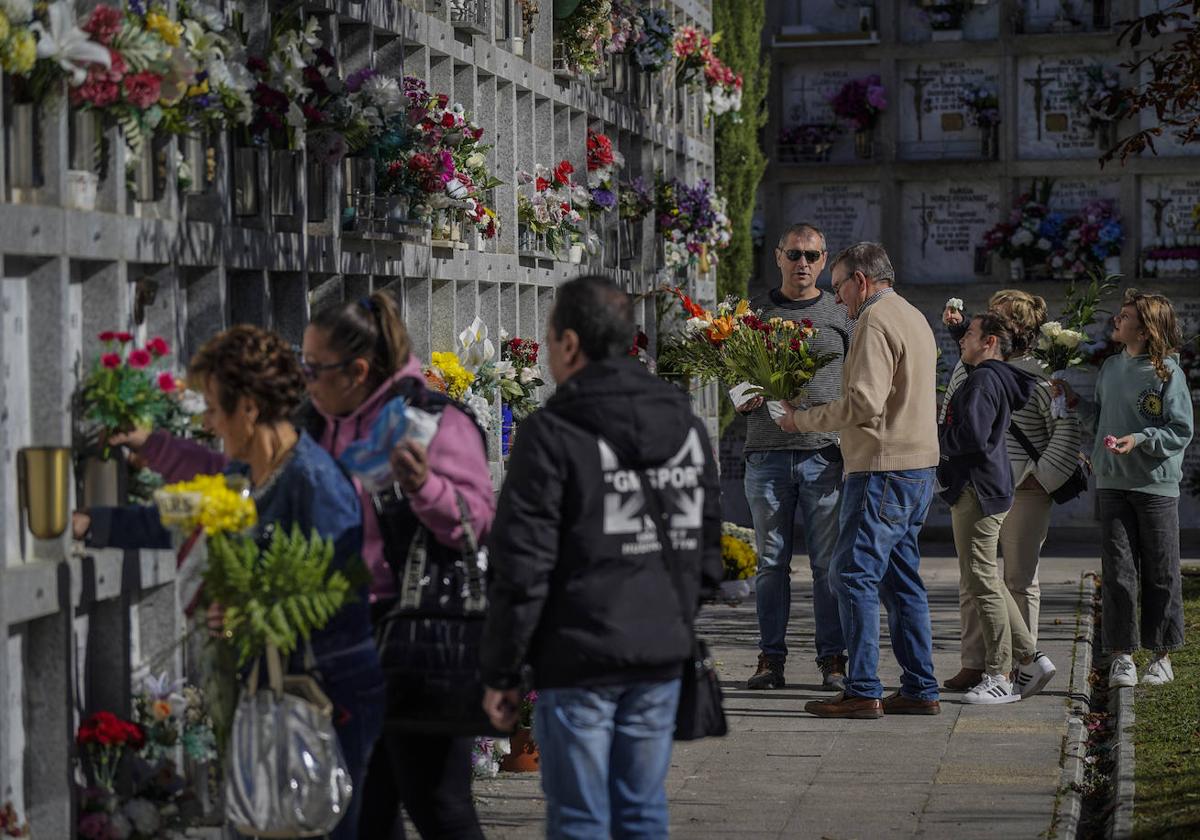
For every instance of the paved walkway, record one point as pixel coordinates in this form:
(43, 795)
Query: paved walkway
(969, 772)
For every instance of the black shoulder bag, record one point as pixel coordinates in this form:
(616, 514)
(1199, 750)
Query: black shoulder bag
(701, 713)
(430, 636)
(1075, 484)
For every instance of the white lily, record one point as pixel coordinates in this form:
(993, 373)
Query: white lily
(505, 370)
(67, 44)
(474, 347)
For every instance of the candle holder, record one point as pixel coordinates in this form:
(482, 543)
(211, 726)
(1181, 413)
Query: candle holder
(43, 479)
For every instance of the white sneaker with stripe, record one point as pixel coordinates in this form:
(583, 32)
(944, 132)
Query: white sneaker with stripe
(1033, 677)
(1159, 671)
(992, 690)
(1122, 673)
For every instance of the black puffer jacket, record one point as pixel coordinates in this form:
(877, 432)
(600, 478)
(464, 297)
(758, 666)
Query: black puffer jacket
(972, 435)
(579, 586)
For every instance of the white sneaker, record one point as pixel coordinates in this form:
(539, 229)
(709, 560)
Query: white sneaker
(1033, 677)
(1159, 671)
(1122, 673)
(992, 689)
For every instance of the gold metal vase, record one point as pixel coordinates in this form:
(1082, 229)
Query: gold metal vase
(44, 476)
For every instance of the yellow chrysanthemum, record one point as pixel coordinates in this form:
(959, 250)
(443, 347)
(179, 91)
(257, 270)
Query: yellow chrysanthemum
(739, 559)
(458, 378)
(20, 53)
(4, 29)
(198, 90)
(165, 28)
(221, 508)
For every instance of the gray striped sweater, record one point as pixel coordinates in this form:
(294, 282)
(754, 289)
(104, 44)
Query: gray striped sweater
(834, 331)
(1056, 441)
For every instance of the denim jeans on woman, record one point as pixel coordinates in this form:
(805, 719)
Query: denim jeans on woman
(605, 752)
(878, 560)
(778, 484)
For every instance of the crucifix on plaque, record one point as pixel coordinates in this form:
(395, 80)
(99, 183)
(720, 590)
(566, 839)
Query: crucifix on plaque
(1038, 83)
(1159, 204)
(918, 83)
(926, 217)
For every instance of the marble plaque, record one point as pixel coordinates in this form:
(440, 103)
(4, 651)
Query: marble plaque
(847, 213)
(1170, 211)
(1072, 195)
(1049, 125)
(980, 22)
(806, 94)
(932, 116)
(1168, 145)
(831, 16)
(942, 223)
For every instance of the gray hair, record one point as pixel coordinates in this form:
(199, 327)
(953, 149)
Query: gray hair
(802, 227)
(868, 257)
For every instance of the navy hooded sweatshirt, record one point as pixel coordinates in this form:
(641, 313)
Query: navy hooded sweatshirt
(972, 435)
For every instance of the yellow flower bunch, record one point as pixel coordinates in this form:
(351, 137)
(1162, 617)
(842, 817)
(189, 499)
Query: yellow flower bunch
(18, 47)
(738, 557)
(209, 502)
(458, 378)
(164, 27)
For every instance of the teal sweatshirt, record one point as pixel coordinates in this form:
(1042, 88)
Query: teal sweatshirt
(1128, 402)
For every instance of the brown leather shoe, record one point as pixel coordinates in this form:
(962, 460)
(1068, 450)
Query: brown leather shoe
(898, 704)
(769, 673)
(965, 679)
(841, 706)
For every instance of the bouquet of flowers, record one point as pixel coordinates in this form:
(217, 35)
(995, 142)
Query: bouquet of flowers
(655, 47)
(172, 714)
(983, 106)
(693, 223)
(519, 374)
(1061, 343)
(627, 24)
(552, 209)
(124, 390)
(635, 199)
(486, 754)
(584, 34)
(477, 356)
(696, 58)
(11, 824)
(738, 554)
(218, 94)
(603, 163)
(104, 738)
(284, 85)
(1096, 95)
(18, 43)
(860, 102)
(1032, 232)
(773, 356)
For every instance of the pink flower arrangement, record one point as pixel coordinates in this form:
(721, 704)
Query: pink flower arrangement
(104, 24)
(142, 89)
(860, 102)
(696, 56)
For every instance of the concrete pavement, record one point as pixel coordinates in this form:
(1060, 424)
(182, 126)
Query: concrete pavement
(780, 773)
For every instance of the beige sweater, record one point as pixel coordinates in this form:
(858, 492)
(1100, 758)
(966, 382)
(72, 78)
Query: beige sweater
(887, 415)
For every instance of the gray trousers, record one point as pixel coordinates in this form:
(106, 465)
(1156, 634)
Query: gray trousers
(1140, 557)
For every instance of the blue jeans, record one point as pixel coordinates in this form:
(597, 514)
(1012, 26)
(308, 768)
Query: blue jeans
(878, 559)
(605, 752)
(778, 483)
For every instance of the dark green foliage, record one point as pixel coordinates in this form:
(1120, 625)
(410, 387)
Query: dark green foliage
(740, 162)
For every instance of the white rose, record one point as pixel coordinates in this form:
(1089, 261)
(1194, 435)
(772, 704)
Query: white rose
(955, 303)
(1043, 244)
(475, 160)
(505, 370)
(1069, 339)
(695, 326)
(1051, 329)
(528, 375)
(1022, 237)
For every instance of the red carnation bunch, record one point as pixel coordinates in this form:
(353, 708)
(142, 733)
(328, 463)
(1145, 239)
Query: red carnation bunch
(105, 737)
(599, 151)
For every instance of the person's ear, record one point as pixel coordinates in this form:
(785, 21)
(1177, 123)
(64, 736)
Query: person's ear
(360, 371)
(572, 348)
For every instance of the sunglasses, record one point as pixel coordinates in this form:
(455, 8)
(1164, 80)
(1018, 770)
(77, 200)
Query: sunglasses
(794, 254)
(311, 371)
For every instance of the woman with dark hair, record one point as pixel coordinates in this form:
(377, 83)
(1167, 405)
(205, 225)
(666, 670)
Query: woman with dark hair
(252, 383)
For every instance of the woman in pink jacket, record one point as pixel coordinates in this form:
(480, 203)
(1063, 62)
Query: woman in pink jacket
(356, 359)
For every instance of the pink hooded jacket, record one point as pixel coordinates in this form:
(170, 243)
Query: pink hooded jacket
(457, 461)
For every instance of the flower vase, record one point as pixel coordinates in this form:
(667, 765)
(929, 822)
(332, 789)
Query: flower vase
(245, 181)
(507, 425)
(527, 241)
(1112, 265)
(23, 175)
(524, 757)
(735, 590)
(100, 483)
(441, 229)
(81, 189)
(195, 156)
(145, 171)
(316, 181)
(1106, 135)
(285, 166)
(575, 254)
(989, 142)
(517, 45)
(1016, 269)
(864, 144)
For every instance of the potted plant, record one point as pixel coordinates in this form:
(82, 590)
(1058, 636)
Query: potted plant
(740, 560)
(523, 756)
(859, 102)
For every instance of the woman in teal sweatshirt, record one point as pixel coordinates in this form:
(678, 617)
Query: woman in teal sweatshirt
(1142, 419)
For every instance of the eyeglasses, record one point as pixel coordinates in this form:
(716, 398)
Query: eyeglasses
(311, 371)
(794, 254)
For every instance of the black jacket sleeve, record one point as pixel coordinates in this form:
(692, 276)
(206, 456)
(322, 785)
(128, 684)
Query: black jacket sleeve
(131, 527)
(522, 552)
(712, 569)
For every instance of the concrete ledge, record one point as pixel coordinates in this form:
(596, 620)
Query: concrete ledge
(1069, 805)
(1121, 824)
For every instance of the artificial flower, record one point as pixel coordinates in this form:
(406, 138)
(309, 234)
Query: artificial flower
(68, 45)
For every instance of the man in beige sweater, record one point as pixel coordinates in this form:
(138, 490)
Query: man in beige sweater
(887, 418)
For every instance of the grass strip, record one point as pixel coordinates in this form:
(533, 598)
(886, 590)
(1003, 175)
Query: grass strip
(1167, 736)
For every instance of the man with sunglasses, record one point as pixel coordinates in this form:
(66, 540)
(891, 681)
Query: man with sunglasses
(790, 474)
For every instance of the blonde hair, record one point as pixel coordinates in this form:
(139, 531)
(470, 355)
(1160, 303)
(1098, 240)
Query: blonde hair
(1158, 320)
(1025, 313)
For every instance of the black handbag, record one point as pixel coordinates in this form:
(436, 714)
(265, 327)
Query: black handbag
(1076, 483)
(701, 712)
(429, 637)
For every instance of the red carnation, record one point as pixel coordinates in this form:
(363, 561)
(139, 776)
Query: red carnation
(158, 346)
(442, 100)
(562, 172)
(143, 89)
(139, 359)
(541, 184)
(807, 324)
(448, 120)
(104, 24)
(110, 360)
(795, 344)
(124, 337)
(108, 335)
(313, 115)
(166, 382)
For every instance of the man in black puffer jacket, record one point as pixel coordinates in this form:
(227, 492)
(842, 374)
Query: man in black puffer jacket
(580, 586)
